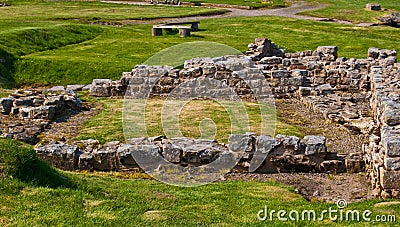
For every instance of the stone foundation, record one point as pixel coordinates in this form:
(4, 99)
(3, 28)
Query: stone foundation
(263, 154)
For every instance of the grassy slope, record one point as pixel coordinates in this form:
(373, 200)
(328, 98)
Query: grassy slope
(35, 26)
(353, 10)
(120, 49)
(96, 51)
(34, 194)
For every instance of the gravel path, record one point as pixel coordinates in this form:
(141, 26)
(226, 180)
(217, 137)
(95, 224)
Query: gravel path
(288, 12)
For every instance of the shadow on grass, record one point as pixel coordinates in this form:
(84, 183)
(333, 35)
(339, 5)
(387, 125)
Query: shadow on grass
(6, 69)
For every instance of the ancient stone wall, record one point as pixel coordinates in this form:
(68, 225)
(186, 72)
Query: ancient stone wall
(360, 94)
(263, 154)
(27, 113)
(382, 154)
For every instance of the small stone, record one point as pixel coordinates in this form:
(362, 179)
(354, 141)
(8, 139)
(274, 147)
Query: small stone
(373, 6)
(314, 144)
(6, 105)
(385, 194)
(56, 89)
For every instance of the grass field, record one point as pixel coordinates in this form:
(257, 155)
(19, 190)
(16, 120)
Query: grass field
(52, 198)
(251, 3)
(52, 42)
(353, 10)
(42, 48)
(107, 125)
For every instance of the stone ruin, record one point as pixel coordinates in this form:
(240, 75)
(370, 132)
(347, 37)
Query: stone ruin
(27, 113)
(362, 95)
(282, 154)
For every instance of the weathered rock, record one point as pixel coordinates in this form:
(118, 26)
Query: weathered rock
(73, 102)
(314, 144)
(6, 105)
(105, 160)
(354, 163)
(75, 87)
(373, 6)
(62, 156)
(389, 179)
(41, 112)
(56, 89)
(101, 88)
(171, 152)
(392, 20)
(86, 161)
(392, 163)
(332, 166)
(125, 157)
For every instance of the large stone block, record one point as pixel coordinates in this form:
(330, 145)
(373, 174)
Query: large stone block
(373, 6)
(264, 145)
(6, 105)
(313, 144)
(101, 88)
(389, 179)
(62, 156)
(41, 112)
(105, 160)
(391, 145)
(124, 153)
(86, 161)
(171, 152)
(392, 163)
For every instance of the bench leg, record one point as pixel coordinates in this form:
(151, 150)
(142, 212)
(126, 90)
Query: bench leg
(195, 27)
(156, 31)
(183, 32)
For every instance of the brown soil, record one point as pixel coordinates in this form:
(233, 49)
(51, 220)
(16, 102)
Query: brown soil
(316, 186)
(66, 130)
(338, 138)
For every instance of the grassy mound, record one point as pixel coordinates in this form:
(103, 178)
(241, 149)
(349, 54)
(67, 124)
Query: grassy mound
(21, 42)
(20, 166)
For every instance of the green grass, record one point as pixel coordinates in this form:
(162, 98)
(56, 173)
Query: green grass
(106, 201)
(43, 49)
(353, 10)
(251, 3)
(34, 194)
(19, 164)
(107, 126)
(119, 49)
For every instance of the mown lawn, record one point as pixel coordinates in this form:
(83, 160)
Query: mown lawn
(353, 10)
(251, 3)
(107, 125)
(35, 194)
(46, 50)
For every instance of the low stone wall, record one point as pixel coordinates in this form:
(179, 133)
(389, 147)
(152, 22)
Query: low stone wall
(360, 94)
(382, 154)
(263, 154)
(26, 113)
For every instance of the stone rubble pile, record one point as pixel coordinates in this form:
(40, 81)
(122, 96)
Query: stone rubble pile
(393, 20)
(280, 154)
(26, 113)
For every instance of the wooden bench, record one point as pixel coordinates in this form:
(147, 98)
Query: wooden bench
(183, 30)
